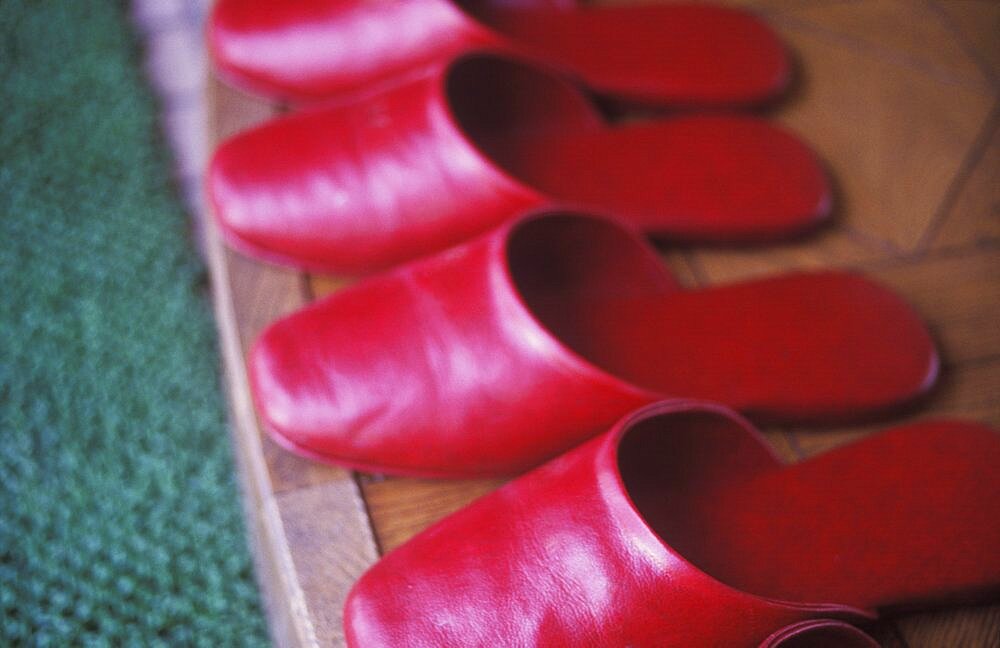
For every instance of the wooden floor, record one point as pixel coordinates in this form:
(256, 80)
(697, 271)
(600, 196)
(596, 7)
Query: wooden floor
(900, 98)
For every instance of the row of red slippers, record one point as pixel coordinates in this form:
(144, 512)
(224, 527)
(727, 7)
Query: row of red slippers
(495, 342)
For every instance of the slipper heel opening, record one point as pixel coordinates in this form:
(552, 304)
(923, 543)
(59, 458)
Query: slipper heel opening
(668, 461)
(904, 519)
(498, 103)
(570, 270)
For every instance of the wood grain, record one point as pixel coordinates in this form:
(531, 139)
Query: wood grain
(401, 508)
(310, 531)
(910, 33)
(891, 133)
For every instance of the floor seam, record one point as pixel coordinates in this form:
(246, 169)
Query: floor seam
(972, 157)
(885, 54)
(971, 51)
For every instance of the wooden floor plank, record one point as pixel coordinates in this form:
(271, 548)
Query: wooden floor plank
(957, 294)
(968, 391)
(900, 30)
(978, 23)
(331, 545)
(972, 627)
(310, 531)
(890, 133)
(973, 218)
(834, 246)
(400, 508)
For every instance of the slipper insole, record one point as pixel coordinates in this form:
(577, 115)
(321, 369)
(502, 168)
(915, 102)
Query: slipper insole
(797, 347)
(678, 53)
(694, 178)
(902, 519)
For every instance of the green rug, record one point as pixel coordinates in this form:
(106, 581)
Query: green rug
(120, 521)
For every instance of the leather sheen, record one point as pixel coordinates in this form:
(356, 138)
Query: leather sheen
(561, 557)
(361, 186)
(493, 356)
(369, 184)
(436, 368)
(587, 550)
(306, 50)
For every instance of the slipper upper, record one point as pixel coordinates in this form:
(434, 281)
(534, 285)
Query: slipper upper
(493, 356)
(307, 50)
(562, 556)
(440, 368)
(820, 633)
(364, 185)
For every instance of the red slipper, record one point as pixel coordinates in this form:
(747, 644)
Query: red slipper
(366, 185)
(819, 633)
(681, 54)
(497, 355)
(680, 528)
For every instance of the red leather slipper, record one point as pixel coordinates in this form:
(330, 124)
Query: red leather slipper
(305, 50)
(679, 527)
(494, 356)
(820, 633)
(361, 186)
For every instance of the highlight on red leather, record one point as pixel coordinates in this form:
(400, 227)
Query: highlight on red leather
(679, 527)
(689, 54)
(492, 357)
(361, 186)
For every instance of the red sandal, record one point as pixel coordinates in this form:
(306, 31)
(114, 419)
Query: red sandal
(495, 356)
(679, 527)
(306, 50)
(362, 186)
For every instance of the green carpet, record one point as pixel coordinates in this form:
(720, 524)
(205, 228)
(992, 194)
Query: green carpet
(120, 522)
